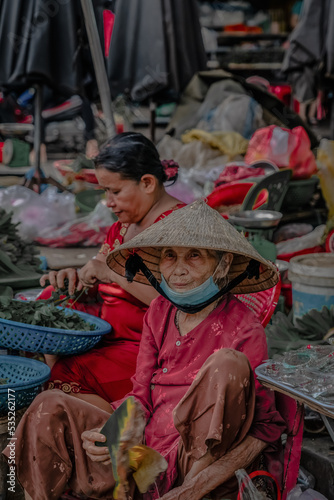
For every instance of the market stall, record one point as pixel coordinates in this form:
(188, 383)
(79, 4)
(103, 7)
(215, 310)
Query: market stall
(239, 144)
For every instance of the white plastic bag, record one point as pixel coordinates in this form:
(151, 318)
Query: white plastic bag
(310, 494)
(37, 212)
(90, 230)
(247, 489)
(309, 240)
(13, 198)
(185, 188)
(297, 494)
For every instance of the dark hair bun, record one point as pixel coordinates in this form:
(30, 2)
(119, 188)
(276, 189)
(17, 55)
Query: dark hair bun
(133, 155)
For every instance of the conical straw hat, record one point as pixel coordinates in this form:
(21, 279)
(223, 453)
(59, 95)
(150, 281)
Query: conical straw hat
(195, 226)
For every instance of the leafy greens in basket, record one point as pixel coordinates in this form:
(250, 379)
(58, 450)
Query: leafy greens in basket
(42, 313)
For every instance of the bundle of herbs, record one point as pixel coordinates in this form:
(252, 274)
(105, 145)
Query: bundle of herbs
(16, 255)
(42, 313)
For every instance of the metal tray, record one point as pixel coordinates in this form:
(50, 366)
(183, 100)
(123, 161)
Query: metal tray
(257, 219)
(292, 390)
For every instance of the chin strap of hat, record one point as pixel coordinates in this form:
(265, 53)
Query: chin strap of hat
(135, 263)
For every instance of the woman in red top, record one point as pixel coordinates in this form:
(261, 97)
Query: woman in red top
(198, 402)
(129, 169)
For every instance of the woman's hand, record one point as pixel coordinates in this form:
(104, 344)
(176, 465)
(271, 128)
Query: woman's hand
(57, 279)
(95, 453)
(95, 271)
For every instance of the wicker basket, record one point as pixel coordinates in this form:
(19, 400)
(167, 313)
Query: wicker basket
(33, 338)
(25, 378)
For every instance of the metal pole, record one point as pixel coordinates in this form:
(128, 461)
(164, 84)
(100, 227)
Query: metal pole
(99, 66)
(38, 133)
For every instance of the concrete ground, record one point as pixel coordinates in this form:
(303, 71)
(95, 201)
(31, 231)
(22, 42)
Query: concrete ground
(318, 459)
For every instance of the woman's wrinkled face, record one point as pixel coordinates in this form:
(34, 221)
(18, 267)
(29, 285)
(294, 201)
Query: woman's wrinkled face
(129, 200)
(186, 268)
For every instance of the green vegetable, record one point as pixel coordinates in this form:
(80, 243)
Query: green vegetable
(42, 313)
(6, 291)
(283, 335)
(16, 256)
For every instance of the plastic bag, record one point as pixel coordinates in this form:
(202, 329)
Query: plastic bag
(237, 112)
(37, 212)
(247, 489)
(289, 231)
(14, 198)
(297, 494)
(286, 148)
(85, 231)
(305, 478)
(195, 156)
(309, 240)
(184, 189)
(236, 171)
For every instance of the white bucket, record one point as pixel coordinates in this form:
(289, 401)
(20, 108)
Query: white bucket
(312, 279)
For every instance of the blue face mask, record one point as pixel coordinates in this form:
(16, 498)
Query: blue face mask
(194, 296)
(197, 295)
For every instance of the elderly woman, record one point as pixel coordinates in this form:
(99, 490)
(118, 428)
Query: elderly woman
(205, 412)
(129, 169)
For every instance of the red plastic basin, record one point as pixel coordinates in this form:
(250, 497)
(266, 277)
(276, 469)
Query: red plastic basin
(85, 174)
(234, 193)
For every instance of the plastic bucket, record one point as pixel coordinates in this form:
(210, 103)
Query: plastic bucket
(312, 279)
(15, 153)
(233, 193)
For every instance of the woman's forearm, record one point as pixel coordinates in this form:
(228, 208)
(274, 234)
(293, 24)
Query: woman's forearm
(218, 472)
(97, 271)
(144, 293)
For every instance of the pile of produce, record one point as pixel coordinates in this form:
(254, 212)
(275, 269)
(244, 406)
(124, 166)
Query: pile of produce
(42, 313)
(74, 234)
(16, 255)
(314, 327)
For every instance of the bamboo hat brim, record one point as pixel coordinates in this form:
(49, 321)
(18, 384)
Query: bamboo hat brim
(195, 226)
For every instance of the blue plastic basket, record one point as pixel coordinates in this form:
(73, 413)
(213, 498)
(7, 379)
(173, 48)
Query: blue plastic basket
(33, 338)
(25, 379)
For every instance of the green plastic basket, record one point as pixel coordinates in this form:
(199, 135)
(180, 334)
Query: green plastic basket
(87, 200)
(300, 192)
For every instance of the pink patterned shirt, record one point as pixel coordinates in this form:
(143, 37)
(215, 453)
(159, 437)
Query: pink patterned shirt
(167, 364)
